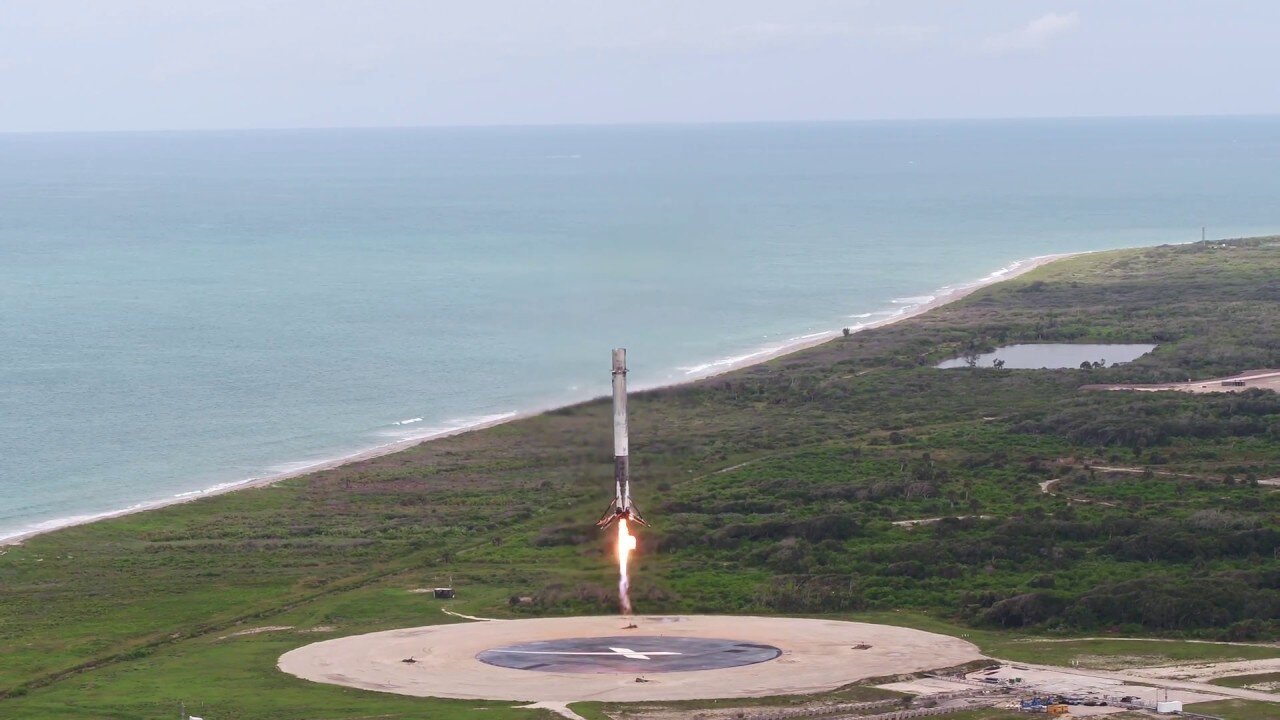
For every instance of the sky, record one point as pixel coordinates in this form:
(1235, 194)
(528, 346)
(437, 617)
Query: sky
(77, 65)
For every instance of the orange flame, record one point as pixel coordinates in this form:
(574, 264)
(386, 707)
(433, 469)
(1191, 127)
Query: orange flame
(626, 543)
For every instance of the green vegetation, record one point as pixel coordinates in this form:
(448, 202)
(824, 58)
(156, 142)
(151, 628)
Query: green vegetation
(1242, 681)
(780, 488)
(1096, 653)
(987, 714)
(1235, 709)
(847, 694)
(1118, 654)
(639, 711)
(590, 710)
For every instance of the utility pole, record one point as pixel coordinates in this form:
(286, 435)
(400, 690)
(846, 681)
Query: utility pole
(1201, 233)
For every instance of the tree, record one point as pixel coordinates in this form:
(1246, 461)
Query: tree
(997, 364)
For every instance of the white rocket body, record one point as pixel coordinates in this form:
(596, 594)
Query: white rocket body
(621, 507)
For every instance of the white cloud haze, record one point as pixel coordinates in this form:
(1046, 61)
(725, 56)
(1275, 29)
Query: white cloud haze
(157, 64)
(1034, 35)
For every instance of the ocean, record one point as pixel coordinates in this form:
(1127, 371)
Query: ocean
(183, 311)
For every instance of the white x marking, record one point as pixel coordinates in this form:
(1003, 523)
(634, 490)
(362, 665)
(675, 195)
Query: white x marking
(613, 652)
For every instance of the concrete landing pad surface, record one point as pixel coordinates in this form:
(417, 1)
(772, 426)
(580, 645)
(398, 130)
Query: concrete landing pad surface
(447, 660)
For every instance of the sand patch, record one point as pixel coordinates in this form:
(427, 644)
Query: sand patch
(257, 630)
(1120, 662)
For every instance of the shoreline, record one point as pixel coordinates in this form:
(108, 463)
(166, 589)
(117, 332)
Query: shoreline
(942, 296)
(938, 298)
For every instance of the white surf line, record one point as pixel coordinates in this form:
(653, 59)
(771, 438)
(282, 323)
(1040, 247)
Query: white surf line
(942, 296)
(279, 473)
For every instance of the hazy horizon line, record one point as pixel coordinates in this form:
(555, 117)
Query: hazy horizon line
(640, 123)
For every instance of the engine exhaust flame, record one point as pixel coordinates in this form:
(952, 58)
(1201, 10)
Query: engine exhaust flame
(626, 543)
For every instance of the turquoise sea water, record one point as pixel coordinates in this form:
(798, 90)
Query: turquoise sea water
(181, 310)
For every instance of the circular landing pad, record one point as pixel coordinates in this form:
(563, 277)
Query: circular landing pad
(630, 654)
(447, 660)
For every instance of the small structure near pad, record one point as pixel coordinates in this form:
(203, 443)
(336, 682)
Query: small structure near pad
(629, 654)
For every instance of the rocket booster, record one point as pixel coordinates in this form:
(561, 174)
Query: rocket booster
(621, 506)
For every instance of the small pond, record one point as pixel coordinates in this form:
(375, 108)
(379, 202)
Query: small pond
(1039, 356)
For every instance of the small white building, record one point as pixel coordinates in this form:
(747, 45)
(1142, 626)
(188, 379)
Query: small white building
(1169, 706)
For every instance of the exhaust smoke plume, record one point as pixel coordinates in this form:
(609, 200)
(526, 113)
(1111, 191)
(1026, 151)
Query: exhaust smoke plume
(626, 543)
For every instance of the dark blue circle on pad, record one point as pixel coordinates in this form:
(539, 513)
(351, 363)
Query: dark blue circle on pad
(636, 654)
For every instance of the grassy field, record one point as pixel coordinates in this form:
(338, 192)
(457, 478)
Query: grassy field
(590, 710)
(1094, 653)
(1120, 654)
(1240, 681)
(849, 694)
(640, 711)
(1236, 709)
(780, 488)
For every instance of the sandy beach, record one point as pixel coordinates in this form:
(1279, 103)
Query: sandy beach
(938, 299)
